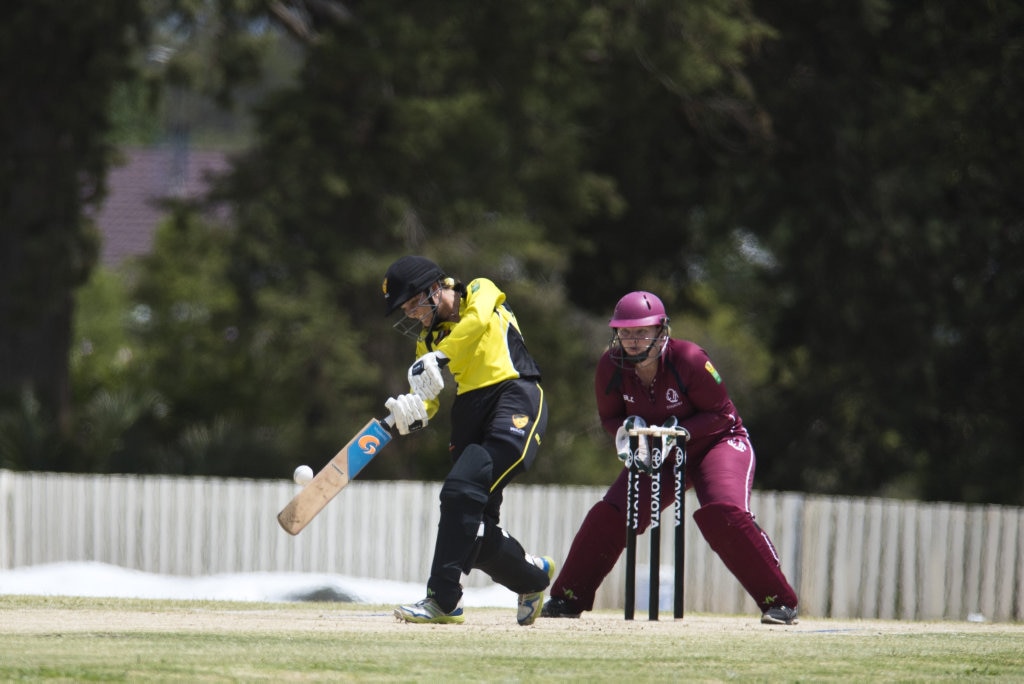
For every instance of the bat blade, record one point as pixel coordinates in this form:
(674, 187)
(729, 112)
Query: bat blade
(334, 476)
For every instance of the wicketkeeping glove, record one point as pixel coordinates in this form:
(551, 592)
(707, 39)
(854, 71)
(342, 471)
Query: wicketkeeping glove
(642, 456)
(672, 423)
(622, 444)
(670, 442)
(425, 377)
(408, 411)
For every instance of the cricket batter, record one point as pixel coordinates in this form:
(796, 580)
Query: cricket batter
(498, 420)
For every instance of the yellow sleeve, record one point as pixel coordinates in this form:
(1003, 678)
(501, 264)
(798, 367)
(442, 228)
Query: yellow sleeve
(482, 298)
(484, 346)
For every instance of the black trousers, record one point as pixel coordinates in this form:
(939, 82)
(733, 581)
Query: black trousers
(496, 432)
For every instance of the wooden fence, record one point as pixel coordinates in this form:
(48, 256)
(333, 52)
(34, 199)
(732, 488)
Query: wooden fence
(847, 557)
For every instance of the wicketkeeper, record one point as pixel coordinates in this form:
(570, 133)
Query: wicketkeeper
(498, 420)
(647, 376)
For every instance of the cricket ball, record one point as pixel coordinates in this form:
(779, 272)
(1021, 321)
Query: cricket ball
(303, 474)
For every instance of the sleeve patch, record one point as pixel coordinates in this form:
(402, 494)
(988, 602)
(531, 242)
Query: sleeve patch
(711, 369)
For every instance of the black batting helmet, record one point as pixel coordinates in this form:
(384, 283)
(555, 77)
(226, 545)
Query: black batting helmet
(406, 278)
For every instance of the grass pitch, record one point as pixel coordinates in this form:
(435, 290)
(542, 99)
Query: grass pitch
(87, 639)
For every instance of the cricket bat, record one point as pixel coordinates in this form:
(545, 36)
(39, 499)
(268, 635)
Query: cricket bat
(334, 476)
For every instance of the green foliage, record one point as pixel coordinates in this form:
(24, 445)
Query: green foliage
(62, 63)
(671, 103)
(132, 118)
(825, 197)
(28, 438)
(111, 402)
(889, 205)
(210, 371)
(100, 352)
(443, 132)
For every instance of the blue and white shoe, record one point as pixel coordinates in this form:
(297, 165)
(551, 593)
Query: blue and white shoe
(531, 604)
(428, 611)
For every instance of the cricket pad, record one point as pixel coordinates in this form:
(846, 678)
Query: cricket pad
(748, 553)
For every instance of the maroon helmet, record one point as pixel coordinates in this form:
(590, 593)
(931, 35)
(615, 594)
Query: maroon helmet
(638, 309)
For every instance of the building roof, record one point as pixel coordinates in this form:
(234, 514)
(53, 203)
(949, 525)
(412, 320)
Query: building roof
(130, 214)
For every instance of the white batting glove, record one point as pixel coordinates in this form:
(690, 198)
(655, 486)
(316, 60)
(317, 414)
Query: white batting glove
(425, 377)
(408, 411)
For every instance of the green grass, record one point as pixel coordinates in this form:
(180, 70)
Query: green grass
(81, 639)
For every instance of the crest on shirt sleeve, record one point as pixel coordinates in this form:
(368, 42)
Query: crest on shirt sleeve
(711, 369)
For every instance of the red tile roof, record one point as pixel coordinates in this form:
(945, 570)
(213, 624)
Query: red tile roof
(130, 214)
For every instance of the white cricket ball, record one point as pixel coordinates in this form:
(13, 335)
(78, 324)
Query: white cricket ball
(303, 474)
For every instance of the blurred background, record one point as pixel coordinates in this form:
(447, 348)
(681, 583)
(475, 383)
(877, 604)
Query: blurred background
(199, 198)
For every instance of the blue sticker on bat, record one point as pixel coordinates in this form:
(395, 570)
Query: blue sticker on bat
(366, 445)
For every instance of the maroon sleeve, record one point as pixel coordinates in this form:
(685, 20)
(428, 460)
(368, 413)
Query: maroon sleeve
(611, 409)
(714, 413)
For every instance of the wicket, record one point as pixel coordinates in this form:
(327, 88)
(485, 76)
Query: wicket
(647, 457)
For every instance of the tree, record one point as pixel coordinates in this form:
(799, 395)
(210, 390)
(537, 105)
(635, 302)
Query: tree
(431, 129)
(889, 203)
(671, 104)
(62, 63)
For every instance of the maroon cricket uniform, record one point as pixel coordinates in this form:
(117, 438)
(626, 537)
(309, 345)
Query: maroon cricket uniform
(720, 468)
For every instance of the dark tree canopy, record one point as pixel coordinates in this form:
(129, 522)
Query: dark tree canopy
(61, 62)
(826, 196)
(891, 205)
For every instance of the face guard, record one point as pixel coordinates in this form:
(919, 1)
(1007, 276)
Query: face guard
(655, 345)
(413, 327)
(638, 309)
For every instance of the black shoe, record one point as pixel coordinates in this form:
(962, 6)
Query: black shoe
(559, 608)
(779, 616)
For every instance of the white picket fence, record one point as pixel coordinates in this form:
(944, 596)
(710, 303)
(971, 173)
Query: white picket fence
(847, 557)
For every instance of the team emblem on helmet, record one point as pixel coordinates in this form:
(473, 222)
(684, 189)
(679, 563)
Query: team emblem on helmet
(406, 278)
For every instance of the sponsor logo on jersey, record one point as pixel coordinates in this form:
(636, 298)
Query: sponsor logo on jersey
(519, 421)
(628, 398)
(672, 397)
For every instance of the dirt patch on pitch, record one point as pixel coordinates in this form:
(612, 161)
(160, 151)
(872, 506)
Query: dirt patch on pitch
(334, 618)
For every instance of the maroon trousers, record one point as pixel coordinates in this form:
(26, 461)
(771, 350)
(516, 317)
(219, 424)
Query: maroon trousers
(722, 479)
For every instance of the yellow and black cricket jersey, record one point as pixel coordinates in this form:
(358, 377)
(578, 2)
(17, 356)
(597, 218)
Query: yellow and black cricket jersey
(484, 347)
